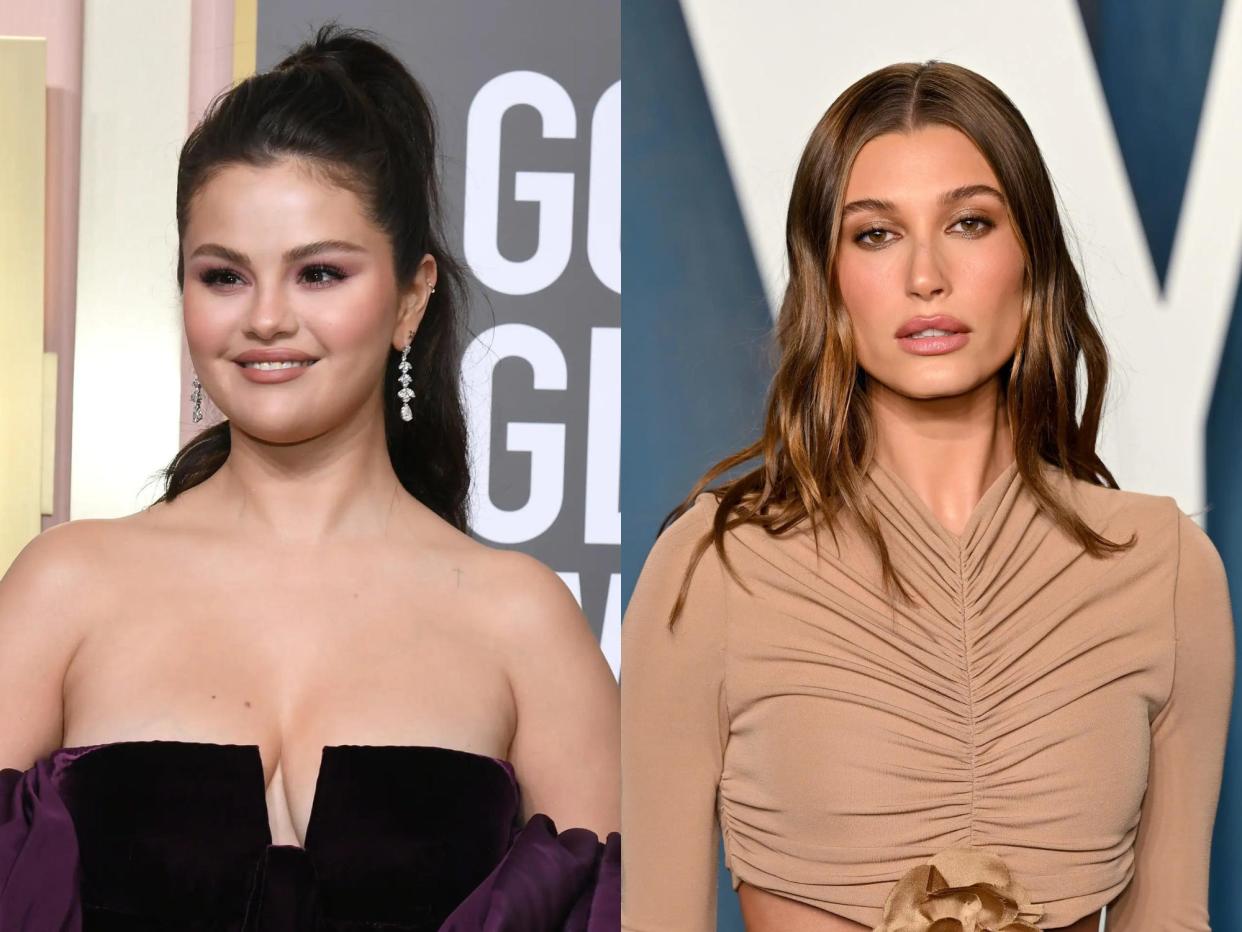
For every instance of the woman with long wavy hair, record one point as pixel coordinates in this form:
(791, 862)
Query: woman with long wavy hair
(294, 693)
(923, 666)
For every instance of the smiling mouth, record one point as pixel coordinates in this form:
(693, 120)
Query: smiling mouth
(282, 364)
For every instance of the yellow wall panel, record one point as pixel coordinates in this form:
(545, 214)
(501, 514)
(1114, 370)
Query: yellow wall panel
(23, 77)
(245, 38)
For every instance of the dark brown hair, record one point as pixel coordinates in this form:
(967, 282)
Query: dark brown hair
(346, 107)
(818, 437)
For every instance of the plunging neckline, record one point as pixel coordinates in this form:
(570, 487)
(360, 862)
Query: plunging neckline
(505, 765)
(986, 506)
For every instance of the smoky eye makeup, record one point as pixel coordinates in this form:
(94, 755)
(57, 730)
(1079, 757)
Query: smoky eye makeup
(871, 234)
(979, 224)
(318, 275)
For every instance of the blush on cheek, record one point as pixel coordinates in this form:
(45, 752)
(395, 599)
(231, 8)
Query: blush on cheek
(865, 293)
(996, 292)
(348, 327)
(206, 334)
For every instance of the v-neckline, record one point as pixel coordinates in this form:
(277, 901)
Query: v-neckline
(255, 750)
(984, 507)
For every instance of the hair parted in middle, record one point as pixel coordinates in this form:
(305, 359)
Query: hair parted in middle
(818, 438)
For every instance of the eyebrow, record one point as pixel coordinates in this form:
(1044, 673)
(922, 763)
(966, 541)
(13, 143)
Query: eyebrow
(948, 197)
(292, 255)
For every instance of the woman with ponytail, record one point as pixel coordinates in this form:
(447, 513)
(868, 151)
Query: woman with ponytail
(294, 693)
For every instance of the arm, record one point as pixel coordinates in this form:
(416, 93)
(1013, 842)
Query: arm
(565, 747)
(1169, 890)
(673, 728)
(40, 627)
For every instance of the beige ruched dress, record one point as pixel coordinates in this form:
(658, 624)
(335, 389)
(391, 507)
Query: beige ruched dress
(1063, 713)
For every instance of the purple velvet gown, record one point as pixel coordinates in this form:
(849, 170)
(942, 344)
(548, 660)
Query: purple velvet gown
(145, 835)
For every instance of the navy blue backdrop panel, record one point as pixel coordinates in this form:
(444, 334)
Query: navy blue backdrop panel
(696, 324)
(697, 327)
(697, 330)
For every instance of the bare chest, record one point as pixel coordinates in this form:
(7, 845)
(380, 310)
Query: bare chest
(290, 655)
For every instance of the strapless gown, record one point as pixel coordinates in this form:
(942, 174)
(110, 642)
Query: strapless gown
(145, 835)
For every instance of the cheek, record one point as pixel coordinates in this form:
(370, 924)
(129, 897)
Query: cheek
(208, 320)
(992, 284)
(867, 289)
(349, 319)
(994, 272)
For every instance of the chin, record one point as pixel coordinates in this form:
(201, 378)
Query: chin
(276, 430)
(947, 385)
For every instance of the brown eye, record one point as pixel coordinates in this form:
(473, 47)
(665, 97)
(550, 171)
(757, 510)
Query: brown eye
(328, 270)
(219, 276)
(977, 225)
(868, 237)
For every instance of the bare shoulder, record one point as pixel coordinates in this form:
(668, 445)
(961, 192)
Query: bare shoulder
(73, 572)
(62, 561)
(51, 596)
(528, 598)
(566, 745)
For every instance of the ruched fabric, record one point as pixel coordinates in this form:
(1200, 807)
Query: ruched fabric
(169, 834)
(1061, 713)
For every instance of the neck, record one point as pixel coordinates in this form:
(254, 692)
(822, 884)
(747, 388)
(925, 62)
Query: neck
(339, 484)
(947, 450)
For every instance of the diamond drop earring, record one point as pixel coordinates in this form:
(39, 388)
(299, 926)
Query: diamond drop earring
(196, 396)
(405, 393)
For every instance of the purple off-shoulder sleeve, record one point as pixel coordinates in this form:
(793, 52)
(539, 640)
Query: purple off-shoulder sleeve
(39, 873)
(550, 882)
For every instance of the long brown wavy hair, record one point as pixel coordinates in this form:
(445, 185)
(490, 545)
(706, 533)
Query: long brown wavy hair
(818, 437)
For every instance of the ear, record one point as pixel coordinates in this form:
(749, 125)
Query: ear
(414, 301)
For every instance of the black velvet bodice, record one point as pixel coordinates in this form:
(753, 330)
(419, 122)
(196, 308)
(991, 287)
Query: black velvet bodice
(176, 835)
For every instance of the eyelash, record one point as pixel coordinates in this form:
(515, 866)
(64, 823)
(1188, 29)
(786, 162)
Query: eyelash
(213, 276)
(860, 237)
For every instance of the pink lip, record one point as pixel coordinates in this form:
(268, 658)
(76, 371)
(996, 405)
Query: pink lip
(939, 322)
(933, 346)
(273, 354)
(267, 376)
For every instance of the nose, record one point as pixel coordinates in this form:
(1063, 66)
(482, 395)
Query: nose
(270, 314)
(926, 277)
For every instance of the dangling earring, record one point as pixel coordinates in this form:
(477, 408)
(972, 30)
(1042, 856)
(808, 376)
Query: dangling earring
(406, 394)
(196, 396)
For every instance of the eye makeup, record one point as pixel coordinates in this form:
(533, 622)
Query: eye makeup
(217, 275)
(862, 236)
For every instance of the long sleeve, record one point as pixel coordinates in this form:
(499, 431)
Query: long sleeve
(673, 728)
(1169, 890)
(39, 862)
